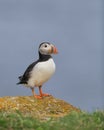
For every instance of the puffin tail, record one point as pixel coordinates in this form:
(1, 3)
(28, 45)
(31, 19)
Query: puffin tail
(20, 78)
(18, 83)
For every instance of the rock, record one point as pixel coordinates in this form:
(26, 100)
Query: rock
(40, 108)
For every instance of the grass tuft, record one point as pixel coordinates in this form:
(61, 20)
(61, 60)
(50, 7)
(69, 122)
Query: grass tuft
(73, 121)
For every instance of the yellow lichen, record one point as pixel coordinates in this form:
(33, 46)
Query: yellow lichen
(41, 108)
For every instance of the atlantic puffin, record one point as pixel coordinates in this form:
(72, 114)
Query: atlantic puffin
(41, 70)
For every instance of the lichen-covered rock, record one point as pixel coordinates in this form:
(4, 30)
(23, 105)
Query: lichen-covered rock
(41, 108)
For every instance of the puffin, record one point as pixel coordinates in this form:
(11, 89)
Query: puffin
(41, 70)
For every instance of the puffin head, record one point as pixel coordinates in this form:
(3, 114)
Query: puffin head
(47, 48)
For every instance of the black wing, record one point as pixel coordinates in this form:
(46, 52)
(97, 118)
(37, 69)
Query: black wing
(23, 79)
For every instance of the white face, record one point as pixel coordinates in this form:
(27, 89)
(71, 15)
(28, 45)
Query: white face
(45, 49)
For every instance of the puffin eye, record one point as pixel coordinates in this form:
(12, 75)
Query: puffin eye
(45, 46)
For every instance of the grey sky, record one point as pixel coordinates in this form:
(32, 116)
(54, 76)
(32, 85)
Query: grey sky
(75, 27)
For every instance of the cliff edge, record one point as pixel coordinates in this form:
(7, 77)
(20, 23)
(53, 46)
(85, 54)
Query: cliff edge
(40, 108)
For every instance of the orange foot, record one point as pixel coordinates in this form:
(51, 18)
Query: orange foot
(45, 95)
(38, 96)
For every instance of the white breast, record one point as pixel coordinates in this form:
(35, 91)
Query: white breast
(41, 73)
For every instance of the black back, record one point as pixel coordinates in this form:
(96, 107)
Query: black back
(42, 58)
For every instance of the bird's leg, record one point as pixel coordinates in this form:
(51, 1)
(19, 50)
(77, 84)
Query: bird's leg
(41, 93)
(34, 95)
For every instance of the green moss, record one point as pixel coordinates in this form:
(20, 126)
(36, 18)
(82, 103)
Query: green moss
(72, 121)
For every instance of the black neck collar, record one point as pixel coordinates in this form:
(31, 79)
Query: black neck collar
(43, 57)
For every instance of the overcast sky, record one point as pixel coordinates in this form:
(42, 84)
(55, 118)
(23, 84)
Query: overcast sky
(75, 27)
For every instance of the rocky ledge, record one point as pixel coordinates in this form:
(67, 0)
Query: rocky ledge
(40, 108)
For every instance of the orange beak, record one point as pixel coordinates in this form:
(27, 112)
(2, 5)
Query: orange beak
(54, 50)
